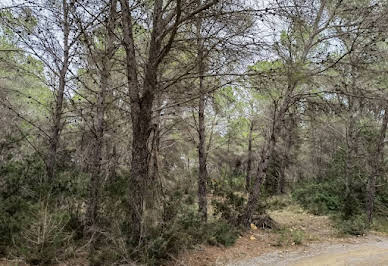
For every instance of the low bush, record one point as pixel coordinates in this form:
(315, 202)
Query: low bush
(279, 202)
(380, 224)
(319, 198)
(165, 241)
(287, 237)
(356, 225)
(44, 238)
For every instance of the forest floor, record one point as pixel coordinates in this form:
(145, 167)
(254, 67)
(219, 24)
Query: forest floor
(304, 240)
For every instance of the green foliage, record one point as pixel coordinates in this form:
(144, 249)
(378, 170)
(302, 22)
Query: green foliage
(17, 194)
(347, 211)
(355, 225)
(229, 206)
(273, 175)
(287, 237)
(44, 238)
(22, 216)
(176, 227)
(279, 202)
(319, 198)
(380, 224)
(184, 231)
(13, 216)
(230, 199)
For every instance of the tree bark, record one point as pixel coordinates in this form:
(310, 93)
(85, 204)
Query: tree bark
(351, 149)
(250, 158)
(266, 155)
(165, 24)
(141, 113)
(377, 169)
(287, 137)
(57, 116)
(105, 70)
(202, 173)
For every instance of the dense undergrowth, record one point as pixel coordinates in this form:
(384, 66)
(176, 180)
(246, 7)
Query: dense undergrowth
(348, 212)
(45, 226)
(44, 223)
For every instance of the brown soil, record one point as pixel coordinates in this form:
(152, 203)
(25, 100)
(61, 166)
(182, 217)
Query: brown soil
(260, 241)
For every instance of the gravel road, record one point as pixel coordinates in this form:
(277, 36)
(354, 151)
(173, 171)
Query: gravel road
(370, 251)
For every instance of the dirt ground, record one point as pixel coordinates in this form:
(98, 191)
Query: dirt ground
(312, 230)
(371, 250)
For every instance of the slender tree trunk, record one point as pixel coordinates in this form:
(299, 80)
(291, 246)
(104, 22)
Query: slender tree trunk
(57, 117)
(113, 158)
(351, 153)
(250, 158)
(202, 174)
(254, 195)
(95, 180)
(378, 162)
(288, 134)
(266, 155)
(156, 149)
(97, 173)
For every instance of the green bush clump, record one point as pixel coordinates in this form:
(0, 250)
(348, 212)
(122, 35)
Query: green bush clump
(17, 194)
(229, 205)
(356, 225)
(221, 233)
(328, 197)
(380, 224)
(31, 224)
(279, 202)
(44, 237)
(166, 240)
(319, 198)
(289, 237)
(179, 227)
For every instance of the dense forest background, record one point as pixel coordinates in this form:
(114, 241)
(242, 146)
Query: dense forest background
(131, 130)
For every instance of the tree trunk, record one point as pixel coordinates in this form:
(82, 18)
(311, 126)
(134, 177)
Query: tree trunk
(250, 158)
(165, 24)
(288, 134)
(138, 179)
(57, 116)
(377, 170)
(141, 112)
(97, 173)
(202, 174)
(266, 155)
(351, 153)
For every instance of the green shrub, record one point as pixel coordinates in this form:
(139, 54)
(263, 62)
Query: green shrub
(279, 202)
(288, 237)
(19, 184)
(356, 225)
(22, 189)
(298, 236)
(221, 233)
(319, 198)
(228, 205)
(380, 224)
(179, 228)
(44, 237)
(166, 240)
